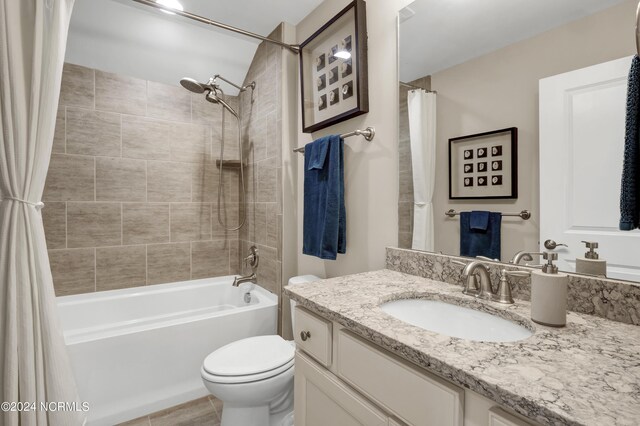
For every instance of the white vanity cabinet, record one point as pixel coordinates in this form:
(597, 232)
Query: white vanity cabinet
(344, 380)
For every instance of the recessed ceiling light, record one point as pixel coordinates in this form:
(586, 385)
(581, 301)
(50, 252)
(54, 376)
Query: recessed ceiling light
(342, 54)
(173, 4)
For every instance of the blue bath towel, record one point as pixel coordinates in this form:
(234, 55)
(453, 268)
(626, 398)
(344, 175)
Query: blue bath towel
(479, 220)
(324, 233)
(478, 242)
(630, 188)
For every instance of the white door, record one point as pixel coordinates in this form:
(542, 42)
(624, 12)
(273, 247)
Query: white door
(582, 123)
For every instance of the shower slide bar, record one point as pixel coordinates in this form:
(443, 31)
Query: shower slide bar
(524, 214)
(368, 134)
(294, 48)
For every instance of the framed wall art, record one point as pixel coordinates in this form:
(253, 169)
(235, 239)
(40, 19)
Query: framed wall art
(333, 70)
(484, 165)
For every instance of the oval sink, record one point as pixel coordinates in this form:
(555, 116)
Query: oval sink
(455, 321)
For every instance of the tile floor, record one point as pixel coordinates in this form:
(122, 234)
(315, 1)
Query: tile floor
(200, 412)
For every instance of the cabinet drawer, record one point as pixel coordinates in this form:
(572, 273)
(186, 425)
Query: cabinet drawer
(320, 399)
(499, 417)
(416, 397)
(312, 334)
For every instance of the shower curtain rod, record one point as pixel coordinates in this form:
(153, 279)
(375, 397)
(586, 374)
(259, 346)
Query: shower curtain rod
(411, 86)
(294, 48)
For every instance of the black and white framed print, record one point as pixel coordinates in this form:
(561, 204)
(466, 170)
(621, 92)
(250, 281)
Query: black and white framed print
(333, 70)
(484, 165)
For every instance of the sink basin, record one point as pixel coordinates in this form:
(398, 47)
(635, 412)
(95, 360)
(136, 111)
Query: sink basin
(455, 321)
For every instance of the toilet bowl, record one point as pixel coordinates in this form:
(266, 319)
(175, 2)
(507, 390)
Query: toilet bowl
(253, 377)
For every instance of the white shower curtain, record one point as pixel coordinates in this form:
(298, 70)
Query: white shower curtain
(34, 364)
(422, 132)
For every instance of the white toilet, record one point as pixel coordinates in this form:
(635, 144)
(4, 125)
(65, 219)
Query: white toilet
(253, 377)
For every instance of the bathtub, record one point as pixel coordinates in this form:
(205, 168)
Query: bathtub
(139, 350)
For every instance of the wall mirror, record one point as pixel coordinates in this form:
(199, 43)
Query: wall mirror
(557, 72)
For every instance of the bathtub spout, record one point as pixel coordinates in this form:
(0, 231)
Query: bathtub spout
(246, 279)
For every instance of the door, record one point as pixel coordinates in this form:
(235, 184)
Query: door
(582, 124)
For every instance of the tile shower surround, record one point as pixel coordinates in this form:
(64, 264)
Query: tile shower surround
(607, 298)
(131, 192)
(261, 113)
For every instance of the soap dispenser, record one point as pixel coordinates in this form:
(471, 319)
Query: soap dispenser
(591, 264)
(549, 294)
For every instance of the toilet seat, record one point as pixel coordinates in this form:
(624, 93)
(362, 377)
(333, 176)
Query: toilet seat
(249, 360)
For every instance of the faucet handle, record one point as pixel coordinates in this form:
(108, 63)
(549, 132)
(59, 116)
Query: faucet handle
(253, 259)
(504, 288)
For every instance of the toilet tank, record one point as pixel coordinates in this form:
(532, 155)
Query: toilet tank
(301, 279)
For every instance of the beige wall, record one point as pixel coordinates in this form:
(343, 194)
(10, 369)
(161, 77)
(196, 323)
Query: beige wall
(131, 190)
(500, 90)
(371, 169)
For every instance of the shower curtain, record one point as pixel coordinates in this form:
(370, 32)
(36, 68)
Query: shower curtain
(422, 133)
(34, 364)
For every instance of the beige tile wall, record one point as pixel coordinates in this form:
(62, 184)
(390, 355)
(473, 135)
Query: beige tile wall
(131, 193)
(261, 113)
(405, 171)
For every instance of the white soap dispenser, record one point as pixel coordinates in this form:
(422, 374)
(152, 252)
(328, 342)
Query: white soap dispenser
(549, 294)
(591, 264)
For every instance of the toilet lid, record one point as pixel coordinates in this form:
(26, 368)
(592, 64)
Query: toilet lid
(249, 356)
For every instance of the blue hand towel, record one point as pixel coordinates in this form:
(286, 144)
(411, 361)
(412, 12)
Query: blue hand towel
(476, 242)
(630, 188)
(324, 230)
(479, 220)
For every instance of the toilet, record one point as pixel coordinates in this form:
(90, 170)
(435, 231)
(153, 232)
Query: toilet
(253, 377)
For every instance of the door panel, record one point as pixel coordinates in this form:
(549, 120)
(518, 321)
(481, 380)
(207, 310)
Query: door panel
(582, 123)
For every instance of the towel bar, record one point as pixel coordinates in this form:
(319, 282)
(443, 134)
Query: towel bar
(524, 214)
(368, 133)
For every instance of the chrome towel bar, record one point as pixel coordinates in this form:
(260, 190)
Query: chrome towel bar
(368, 133)
(524, 214)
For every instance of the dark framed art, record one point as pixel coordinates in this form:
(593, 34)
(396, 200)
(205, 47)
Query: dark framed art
(333, 70)
(484, 165)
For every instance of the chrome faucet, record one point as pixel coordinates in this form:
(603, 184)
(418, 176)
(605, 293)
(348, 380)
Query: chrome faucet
(252, 260)
(527, 256)
(477, 270)
(471, 279)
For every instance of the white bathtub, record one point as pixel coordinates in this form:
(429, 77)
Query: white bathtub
(139, 350)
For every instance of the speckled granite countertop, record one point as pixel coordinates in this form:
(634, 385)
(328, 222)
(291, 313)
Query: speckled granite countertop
(587, 373)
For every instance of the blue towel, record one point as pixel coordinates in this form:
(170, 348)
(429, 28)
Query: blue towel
(630, 188)
(324, 233)
(475, 242)
(479, 220)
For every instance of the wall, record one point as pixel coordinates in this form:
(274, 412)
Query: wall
(500, 90)
(131, 190)
(371, 169)
(405, 169)
(261, 112)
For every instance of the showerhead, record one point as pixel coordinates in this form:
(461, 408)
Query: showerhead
(213, 92)
(191, 85)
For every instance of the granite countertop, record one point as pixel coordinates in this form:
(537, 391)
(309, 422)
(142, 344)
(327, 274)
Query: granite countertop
(587, 373)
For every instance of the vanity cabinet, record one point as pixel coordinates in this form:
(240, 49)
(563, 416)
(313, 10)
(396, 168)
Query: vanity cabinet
(342, 379)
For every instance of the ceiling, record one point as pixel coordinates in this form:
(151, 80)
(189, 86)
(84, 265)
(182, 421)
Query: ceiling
(453, 31)
(128, 38)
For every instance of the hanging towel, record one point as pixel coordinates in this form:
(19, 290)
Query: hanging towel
(630, 188)
(479, 220)
(324, 230)
(477, 242)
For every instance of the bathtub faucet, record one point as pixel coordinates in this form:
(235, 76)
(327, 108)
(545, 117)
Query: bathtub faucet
(252, 260)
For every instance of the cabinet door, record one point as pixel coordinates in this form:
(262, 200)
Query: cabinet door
(499, 417)
(321, 400)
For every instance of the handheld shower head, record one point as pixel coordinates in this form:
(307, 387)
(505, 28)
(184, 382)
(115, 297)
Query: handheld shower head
(191, 85)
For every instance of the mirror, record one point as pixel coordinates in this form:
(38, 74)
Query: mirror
(496, 65)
